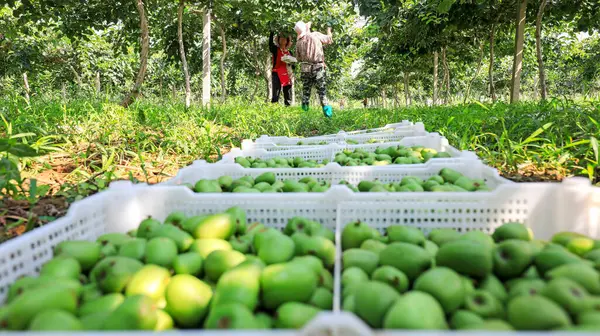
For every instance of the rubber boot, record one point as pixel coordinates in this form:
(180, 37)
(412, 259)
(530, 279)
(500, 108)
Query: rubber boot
(327, 111)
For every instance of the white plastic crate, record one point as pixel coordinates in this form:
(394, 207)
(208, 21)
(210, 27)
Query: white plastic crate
(285, 143)
(335, 173)
(431, 140)
(545, 207)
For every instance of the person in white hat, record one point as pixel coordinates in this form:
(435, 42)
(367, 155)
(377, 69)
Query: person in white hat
(309, 52)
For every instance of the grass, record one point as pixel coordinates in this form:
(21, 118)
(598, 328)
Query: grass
(92, 142)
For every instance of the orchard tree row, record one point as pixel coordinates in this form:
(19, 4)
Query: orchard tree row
(429, 51)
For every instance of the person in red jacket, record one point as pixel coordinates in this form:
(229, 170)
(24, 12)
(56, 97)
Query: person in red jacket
(282, 73)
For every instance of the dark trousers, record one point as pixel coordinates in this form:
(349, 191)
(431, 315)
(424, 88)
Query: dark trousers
(287, 91)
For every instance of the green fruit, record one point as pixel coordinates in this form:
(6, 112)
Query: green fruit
(354, 234)
(114, 273)
(314, 263)
(188, 263)
(491, 325)
(365, 186)
(26, 306)
(264, 321)
(450, 175)
(481, 237)
(262, 186)
(94, 322)
(19, 286)
(268, 177)
(231, 316)
(108, 250)
(190, 224)
(281, 283)
(349, 304)
(372, 299)
(320, 247)
(220, 261)
(326, 280)
(219, 226)
(378, 188)
(580, 245)
(146, 226)
(408, 312)
(135, 313)
(353, 275)
(536, 313)
(492, 285)
(105, 304)
(87, 253)
(150, 281)
(175, 218)
(550, 258)
(526, 287)
(466, 183)
(207, 186)
(239, 219)
(563, 238)
(182, 239)
(62, 267)
(363, 259)
(468, 284)
(512, 230)
(90, 292)
(445, 285)
(411, 259)
(453, 254)
(225, 182)
(55, 320)
(187, 300)
(568, 294)
(300, 224)
(134, 249)
(442, 236)
(240, 284)
(294, 315)
(406, 234)
(263, 235)
(463, 319)
(373, 245)
(276, 249)
(512, 258)
(589, 318)
(323, 232)
(242, 161)
(391, 276)
(204, 247)
(164, 321)
(161, 251)
(322, 298)
(581, 273)
(113, 238)
(484, 304)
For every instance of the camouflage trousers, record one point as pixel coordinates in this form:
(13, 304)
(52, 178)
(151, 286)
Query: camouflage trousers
(316, 78)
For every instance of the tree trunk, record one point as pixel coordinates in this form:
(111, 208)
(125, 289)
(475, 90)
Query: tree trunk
(515, 90)
(538, 48)
(26, 86)
(435, 77)
(491, 68)
(145, 48)
(206, 57)
(98, 85)
(383, 98)
(256, 84)
(406, 89)
(446, 76)
(222, 64)
(64, 91)
(186, 74)
(479, 65)
(293, 91)
(268, 79)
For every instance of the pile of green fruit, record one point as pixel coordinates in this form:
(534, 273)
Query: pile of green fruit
(211, 271)
(279, 162)
(471, 281)
(387, 156)
(448, 180)
(358, 157)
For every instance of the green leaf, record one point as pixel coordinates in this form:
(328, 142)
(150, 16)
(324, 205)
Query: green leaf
(23, 150)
